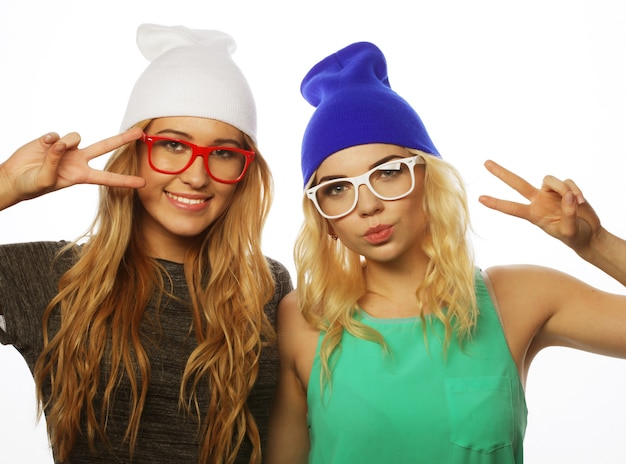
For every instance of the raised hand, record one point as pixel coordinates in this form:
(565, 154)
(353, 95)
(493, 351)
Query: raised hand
(558, 207)
(51, 163)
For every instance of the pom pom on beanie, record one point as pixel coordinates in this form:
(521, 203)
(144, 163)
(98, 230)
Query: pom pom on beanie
(191, 73)
(355, 105)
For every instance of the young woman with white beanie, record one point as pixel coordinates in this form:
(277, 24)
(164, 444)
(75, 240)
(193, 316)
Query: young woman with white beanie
(151, 339)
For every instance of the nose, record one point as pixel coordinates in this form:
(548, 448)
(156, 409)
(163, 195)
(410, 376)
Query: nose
(367, 203)
(195, 175)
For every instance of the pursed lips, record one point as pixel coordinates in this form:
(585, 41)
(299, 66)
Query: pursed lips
(376, 229)
(379, 234)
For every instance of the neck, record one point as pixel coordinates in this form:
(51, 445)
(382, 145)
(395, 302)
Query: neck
(391, 289)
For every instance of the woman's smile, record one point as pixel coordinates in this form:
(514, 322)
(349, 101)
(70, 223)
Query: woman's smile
(193, 202)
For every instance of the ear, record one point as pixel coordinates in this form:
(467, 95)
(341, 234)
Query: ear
(331, 231)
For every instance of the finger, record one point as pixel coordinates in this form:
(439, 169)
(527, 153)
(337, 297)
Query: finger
(579, 194)
(112, 143)
(112, 179)
(504, 206)
(71, 140)
(512, 180)
(53, 156)
(49, 139)
(563, 187)
(568, 214)
(555, 184)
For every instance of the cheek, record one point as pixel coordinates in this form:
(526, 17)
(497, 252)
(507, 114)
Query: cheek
(152, 178)
(413, 210)
(224, 198)
(226, 192)
(342, 228)
(418, 195)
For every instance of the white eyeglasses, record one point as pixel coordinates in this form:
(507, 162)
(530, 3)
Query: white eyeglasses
(390, 181)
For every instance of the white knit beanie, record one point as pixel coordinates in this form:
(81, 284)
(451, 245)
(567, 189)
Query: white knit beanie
(191, 73)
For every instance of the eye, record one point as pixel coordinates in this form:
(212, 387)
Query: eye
(389, 170)
(172, 146)
(225, 153)
(334, 189)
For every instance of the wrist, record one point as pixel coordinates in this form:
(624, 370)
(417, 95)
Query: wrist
(598, 246)
(7, 193)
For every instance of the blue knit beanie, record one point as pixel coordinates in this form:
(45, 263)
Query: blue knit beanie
(355, 106)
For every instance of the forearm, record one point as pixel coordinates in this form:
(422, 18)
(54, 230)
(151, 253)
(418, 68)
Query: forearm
(608, 253)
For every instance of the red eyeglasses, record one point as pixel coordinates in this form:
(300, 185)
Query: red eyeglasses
(171, 156)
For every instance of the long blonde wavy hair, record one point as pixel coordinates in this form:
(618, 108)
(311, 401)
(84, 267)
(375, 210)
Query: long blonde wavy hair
(113, 271)
(330, 276)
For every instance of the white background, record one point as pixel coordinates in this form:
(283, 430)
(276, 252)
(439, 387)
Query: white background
(537, 86)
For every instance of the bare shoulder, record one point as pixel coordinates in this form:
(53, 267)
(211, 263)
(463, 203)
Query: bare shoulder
(506, 275)
(536, 290)
(287, 307)
(543, 307)
(289, 317)
(527, 297)
(531, 283)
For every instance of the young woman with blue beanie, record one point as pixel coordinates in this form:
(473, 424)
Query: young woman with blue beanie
(395, 347)
(152, 340)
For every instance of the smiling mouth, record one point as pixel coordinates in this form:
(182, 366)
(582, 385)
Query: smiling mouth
(187, 201)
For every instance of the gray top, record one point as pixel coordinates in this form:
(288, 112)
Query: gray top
(28, 281)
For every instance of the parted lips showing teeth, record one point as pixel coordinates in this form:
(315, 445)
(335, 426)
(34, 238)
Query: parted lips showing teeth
(189, 201)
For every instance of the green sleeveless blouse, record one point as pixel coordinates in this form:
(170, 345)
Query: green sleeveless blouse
(415, 403)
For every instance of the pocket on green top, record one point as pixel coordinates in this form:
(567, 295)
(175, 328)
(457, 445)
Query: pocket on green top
(481, 412)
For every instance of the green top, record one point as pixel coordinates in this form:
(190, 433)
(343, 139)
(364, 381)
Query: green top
(417, 404)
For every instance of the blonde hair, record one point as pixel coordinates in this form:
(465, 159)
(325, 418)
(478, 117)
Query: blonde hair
(112, 293)
(330, 278)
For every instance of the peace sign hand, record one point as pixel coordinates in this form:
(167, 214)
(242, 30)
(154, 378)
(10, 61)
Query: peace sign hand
(51, 163)
(558, 207)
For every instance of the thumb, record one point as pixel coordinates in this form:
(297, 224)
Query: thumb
(569, 211)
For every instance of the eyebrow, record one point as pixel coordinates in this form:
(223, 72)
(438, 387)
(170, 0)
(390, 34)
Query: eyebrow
(384, 160)
(185, 136)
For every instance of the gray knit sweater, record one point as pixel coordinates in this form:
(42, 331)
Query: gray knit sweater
(28, 280)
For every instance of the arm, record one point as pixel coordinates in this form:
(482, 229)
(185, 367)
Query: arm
(542, 307)
(560, 209)
(288, 435)
(51, 163)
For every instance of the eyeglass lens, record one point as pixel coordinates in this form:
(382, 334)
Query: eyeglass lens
(173, 156)
(389, 181)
